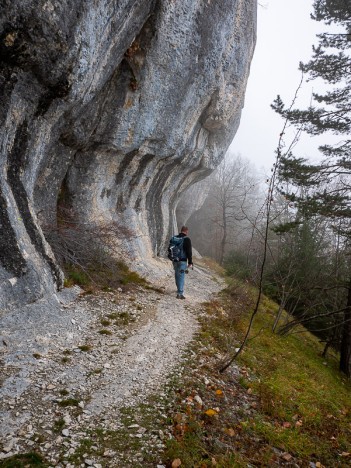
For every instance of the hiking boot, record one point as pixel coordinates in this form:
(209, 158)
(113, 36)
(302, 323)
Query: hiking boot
(180, 296)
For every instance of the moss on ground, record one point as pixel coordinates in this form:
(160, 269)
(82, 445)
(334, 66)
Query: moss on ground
(284, 404)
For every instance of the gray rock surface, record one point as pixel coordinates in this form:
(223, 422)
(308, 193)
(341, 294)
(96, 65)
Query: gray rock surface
(114, 109)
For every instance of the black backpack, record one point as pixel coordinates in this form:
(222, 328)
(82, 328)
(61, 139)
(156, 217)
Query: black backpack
(175, 249)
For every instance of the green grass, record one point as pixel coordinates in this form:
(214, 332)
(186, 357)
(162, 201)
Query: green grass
(105, 277)
(59, 424)
(85, 348)
(305, 401)
(68, 402)
(25, 460)
(105, 322)
(292, 399)
(124, 319)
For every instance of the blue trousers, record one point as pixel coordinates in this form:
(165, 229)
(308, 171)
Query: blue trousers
(179, 274)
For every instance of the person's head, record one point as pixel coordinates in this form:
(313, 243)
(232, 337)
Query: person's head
(184, 230)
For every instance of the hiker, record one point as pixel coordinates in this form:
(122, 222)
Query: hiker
(185, 261)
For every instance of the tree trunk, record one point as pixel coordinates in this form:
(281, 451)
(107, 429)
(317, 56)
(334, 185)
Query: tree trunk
(224, 238)
(345, 349)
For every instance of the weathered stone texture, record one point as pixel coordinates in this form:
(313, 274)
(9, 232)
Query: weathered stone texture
(121, 106)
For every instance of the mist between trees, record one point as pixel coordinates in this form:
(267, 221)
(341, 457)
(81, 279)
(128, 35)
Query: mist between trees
(294, 241)
(223, 226)
(308, 257)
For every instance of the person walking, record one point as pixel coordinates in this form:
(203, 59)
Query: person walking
(186, 261)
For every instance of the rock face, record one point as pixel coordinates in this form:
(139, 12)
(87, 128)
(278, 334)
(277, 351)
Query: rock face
(115, 107)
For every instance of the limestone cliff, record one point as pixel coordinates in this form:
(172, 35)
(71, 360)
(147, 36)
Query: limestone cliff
(121, 106)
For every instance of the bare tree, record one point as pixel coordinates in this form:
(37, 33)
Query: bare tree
(221, 222)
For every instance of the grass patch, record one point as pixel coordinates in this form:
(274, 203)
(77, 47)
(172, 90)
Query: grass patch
(85, 348)
(24, 460)
(102, 276)
(65, 360)
(68, 402)
(75, 275)
(59, 424)
(105, 322)
(305, 401)
(64, 392)
(285, 403)
(105, 332)
(113, 316)
(94, 372)
(37, 355)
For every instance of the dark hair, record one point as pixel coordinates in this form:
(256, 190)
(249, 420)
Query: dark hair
(184, 228)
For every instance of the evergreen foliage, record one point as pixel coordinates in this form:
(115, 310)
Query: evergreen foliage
(321, 192)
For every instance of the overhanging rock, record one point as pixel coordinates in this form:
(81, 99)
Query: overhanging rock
(121, 106)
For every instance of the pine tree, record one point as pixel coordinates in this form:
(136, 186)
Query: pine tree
(323, 189)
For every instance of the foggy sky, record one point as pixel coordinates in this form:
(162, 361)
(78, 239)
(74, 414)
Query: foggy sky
(285, 37)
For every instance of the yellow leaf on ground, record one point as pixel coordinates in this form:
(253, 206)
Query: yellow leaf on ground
(219, 392)
(230, 432)
(176, 463)
(211, 412)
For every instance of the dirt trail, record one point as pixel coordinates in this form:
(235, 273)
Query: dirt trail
(82, 358)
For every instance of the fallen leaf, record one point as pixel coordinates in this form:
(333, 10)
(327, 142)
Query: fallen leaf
(286, 456)
(176, 463)
(249, 391)
(178, 418)
(211, 412)
(213, 460)
(219, 392)
(286, 425)
(345, 454)
(298, 423)
(319, 465)
(230, 432)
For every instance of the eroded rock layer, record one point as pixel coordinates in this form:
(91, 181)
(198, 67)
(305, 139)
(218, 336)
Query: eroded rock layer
(117, 106)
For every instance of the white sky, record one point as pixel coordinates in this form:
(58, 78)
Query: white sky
(285, 35)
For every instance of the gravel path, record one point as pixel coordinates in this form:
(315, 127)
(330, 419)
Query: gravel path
(100, 352)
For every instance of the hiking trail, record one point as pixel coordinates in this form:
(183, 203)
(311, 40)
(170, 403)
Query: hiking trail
(81, 358)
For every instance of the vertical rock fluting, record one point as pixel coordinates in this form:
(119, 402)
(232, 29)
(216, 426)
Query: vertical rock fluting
(123, 104)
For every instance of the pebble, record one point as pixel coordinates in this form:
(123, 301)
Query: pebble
(198, 400)
(65, 432)
(7, 449)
